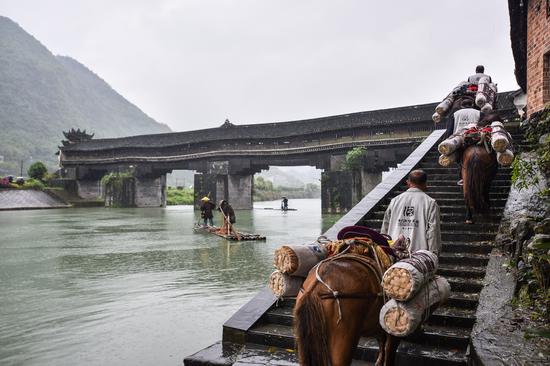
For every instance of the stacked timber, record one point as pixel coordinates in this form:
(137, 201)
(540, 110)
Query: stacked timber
(501, 141)
(414, 291)
(405, 278)
(448, 160)
(297, 260)
(486, 95)
(403, 318)
(283, 284)
(293, 263)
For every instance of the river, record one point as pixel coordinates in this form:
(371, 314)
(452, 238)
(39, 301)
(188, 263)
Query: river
(103, 286)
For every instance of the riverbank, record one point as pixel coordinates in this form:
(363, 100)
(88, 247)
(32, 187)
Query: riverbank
(29, 199)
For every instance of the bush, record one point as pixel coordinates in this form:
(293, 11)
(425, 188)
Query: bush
(33, 184)
(354, 158)
(37, 170)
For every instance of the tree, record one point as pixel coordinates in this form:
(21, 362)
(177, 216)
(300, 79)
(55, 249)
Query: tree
(37, 170)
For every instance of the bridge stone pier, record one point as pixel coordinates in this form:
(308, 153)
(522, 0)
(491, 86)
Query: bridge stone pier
(227, 157)
(341, 188)
(224, 180)
(149, 185)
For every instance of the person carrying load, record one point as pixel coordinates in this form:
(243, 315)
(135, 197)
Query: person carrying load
(480, 73)
(413, 217)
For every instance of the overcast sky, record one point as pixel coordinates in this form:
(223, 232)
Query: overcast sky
(191, 64)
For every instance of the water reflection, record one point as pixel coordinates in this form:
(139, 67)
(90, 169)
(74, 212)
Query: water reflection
(130, 286)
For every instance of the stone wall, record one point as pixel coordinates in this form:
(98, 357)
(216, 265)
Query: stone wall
(538, 55)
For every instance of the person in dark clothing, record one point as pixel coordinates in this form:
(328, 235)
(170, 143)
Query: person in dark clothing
(206, 211)
(229, 219)
(227, 211)
(284, 204)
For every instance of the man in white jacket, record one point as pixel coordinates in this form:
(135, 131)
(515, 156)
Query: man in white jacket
(415, 215)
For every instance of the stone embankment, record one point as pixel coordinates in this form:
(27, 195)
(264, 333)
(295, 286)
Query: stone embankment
(14, 199)
(499, 335)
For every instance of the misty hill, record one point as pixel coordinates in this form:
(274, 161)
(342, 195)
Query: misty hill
(42, 95)
(294, 177)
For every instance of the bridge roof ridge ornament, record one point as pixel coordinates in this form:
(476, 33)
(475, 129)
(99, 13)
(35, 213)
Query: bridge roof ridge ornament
(227, 124)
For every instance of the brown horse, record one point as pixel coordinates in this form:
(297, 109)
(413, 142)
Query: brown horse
(340, 302)
(479, 168)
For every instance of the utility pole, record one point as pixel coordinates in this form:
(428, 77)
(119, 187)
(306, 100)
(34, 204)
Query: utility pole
(21, 174)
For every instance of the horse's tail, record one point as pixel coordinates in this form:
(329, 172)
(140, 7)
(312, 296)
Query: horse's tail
(310, 327)
(477, 178)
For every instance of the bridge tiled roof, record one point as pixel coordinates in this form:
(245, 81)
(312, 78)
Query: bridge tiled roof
(276, 130)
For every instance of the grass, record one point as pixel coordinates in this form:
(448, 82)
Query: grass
(179, 196)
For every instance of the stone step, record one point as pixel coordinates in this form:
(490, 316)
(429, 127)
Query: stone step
(433, 162)
(438, 168)
(456, 188)
(483, 247)
(227, 354)
(415, 354)
(461, 284)
(466, 236)
(446, 225)
(442, 336)
(457, 200)
(455, 216)
(461, 270)
(451, 344)
(454, 176)
(453, 316)
(473, 259)
(458, 194)
(446, 209)
(452, 182)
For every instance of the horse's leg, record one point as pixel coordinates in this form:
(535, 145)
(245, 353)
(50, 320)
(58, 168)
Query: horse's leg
(382, 339)
(390, 349)
(343, 337)
(469, 219)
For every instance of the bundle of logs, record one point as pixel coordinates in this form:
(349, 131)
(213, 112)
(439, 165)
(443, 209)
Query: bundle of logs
(501, 143)
(484, 92)
(292, 263)
(414, 292)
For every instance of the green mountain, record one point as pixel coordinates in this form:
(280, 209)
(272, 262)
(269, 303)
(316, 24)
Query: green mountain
(42, 95)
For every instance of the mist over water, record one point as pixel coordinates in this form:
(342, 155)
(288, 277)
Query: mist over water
(131, 286)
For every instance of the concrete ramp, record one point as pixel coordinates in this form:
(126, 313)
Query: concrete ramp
(13, 199)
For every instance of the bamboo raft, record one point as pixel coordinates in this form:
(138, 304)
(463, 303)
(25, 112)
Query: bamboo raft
(214, 230)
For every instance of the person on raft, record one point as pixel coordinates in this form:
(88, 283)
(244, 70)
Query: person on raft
(480, 72)
(413, 216)
(229, 219)
(206, 211)
(284, 204)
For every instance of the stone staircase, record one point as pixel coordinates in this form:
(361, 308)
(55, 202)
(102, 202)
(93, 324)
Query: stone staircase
(445, 337)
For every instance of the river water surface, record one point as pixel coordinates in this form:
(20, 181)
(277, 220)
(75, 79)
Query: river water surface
(131, 286)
